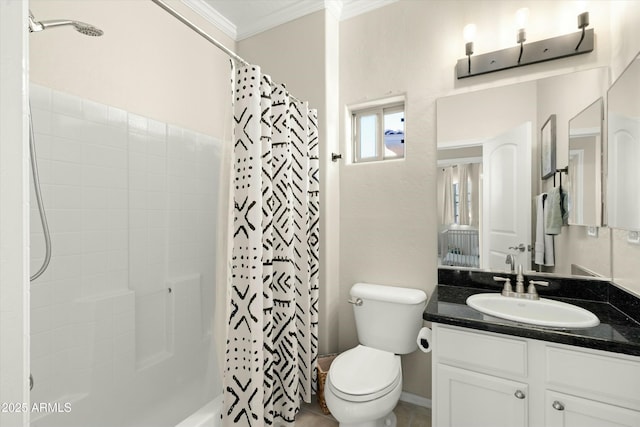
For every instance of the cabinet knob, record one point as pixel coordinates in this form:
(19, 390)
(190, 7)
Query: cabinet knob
(558, 406)
(519, 394)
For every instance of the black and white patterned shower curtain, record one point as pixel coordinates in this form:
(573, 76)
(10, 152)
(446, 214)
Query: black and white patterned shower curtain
(273, 317)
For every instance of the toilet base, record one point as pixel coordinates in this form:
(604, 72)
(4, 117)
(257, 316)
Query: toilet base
(387, 421)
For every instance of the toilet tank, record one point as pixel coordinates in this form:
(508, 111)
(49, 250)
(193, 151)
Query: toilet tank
(389, 317)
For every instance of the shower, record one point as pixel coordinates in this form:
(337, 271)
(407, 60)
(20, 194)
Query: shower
(81, 27)
(36, 26)
(129, 312)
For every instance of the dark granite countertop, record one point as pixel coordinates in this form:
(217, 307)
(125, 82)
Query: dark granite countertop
(618, 311)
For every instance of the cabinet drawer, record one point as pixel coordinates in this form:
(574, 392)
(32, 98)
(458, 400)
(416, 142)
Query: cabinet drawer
(469, 399)
(606, 378)
(482, 352)
(564, 410)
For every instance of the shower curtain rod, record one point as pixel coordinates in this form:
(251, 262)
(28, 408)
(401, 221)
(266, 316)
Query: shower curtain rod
(198, 30)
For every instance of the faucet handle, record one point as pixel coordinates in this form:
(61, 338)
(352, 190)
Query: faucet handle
(531, 290)
(507, 289)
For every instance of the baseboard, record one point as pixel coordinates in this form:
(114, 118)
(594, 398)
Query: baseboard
(415, 399)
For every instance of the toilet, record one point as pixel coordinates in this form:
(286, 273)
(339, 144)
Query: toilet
(364, 383)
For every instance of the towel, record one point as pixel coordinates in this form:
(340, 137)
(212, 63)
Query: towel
(544, 243)
(556, 211)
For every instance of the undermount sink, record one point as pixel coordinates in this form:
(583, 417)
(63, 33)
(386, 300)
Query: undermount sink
(542, 312)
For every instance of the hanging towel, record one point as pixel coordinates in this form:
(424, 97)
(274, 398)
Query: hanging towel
(557, 213)
(544, 254)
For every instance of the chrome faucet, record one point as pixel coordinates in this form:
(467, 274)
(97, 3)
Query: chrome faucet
(519, 281)
(531, 293)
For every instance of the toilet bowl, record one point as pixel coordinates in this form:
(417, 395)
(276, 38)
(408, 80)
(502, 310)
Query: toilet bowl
(364, 383)
(363, 387)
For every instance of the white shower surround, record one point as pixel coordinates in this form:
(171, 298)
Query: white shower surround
(121, 322)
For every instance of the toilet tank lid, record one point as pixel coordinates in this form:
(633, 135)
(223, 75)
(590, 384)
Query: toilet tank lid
(388, 293)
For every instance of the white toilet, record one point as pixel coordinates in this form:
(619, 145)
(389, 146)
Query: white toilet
(364, 383)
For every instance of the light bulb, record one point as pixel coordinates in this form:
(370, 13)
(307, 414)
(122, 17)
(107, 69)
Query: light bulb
(469, 33)
(522, 17)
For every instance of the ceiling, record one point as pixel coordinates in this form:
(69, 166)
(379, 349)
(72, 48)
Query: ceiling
(240, 19)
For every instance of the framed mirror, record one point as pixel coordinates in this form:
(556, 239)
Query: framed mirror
(585, 166)
(623, 138)
(497, 130)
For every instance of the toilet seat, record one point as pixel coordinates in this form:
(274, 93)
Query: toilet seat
(364, 373)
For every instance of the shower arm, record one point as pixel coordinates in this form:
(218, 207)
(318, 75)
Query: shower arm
(56, 23)
(81, 27)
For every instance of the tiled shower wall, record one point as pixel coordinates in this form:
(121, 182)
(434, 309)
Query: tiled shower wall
(132, 205)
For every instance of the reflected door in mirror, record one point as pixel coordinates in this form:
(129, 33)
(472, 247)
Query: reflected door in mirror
(623, 171)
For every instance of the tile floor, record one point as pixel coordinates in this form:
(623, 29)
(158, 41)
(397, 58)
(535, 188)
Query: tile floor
(408, 415)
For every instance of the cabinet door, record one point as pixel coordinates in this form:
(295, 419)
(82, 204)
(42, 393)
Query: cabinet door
(563, 410)
(470, 399)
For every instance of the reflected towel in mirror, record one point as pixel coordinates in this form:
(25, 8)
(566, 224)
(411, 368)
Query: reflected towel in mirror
(556, 213)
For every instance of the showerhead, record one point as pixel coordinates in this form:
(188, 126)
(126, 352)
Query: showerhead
(87, 30)
(81, 27)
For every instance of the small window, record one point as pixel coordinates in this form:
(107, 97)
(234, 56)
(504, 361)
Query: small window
(378, 133)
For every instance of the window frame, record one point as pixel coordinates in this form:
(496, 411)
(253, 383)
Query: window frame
(379, 111)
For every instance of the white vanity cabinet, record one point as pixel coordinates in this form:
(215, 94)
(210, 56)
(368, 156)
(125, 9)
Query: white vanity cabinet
(482, 379)
(468, 398)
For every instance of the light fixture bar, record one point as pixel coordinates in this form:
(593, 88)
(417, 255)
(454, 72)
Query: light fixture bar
(532, 53)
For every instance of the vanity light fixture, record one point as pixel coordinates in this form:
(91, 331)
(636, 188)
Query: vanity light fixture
(469, 35)
(525, 54)
(522, 16)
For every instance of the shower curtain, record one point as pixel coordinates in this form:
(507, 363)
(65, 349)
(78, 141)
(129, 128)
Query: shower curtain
(271, 349)
(447, 203)
(463, 194)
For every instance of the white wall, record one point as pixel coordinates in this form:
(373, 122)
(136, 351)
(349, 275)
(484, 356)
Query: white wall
(14, 213)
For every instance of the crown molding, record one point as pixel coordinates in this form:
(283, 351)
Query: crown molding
(354, 8)
(280, 17)
(334, 7)
(213, 16)
(340, 9)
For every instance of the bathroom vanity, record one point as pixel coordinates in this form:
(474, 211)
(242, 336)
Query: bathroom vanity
(489, 371)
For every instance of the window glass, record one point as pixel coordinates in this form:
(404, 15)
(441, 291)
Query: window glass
(368, 145)
(393, 134)
(378, 132)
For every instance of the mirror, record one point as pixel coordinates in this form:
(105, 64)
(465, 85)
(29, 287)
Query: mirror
(497, 131)
(623, 115)
(585, 166)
